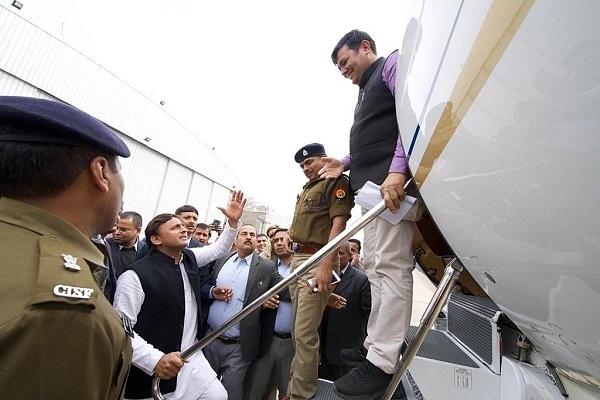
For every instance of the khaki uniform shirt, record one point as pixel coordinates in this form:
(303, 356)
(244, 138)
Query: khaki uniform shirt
(59, 336)
(319, 202)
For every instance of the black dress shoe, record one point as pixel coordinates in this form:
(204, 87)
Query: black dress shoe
(365, 382)
(354, 356)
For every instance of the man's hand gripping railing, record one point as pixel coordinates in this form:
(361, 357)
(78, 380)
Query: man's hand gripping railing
(314, 259)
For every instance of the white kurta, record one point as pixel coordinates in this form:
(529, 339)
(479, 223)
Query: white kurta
(196, 375)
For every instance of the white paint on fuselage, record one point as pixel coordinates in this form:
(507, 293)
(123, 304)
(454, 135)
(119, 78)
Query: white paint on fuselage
(516, 190)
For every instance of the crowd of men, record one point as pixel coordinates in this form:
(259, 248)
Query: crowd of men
(92, 311)
(250, 360)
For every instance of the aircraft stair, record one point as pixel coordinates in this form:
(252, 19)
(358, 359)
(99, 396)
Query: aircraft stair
(464, 358)
(325, 390)
(462, 361)
(441, 359)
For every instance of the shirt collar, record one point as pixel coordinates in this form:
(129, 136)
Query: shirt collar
(238, 258)
(345, 269)
(135, 245)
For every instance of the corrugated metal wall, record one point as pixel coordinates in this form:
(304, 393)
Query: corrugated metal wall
(172, 169)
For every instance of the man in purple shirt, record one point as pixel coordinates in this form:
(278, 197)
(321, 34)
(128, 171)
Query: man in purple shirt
(376, 155)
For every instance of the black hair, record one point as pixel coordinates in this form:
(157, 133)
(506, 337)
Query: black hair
(352, 39)
(186, 208)
(280, 230)
(41, 170)
(153, 227)
(135, 218)
(357, 242)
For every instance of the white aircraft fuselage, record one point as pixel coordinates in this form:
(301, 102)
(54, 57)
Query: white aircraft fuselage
(499, 110)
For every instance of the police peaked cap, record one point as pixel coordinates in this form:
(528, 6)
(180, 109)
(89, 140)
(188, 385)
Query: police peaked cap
(29, 119)
(310, 150)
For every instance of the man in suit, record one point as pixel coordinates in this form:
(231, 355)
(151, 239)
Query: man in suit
(276, 347)
(355, 248)
(344, 328)
(189, 216)
(237, 280)
(202, 233)
(125, 246)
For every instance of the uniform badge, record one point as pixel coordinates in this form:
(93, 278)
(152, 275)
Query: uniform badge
(73, 291)
(70, 262)
(340, 193)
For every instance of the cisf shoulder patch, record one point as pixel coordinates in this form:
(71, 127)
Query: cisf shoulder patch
(73, 291)
(340, 193)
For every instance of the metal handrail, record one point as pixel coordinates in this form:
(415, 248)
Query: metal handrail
(439, 298)
(315, 258)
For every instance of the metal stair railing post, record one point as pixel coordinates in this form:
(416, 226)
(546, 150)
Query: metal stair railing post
(315, 258)
(441, 294)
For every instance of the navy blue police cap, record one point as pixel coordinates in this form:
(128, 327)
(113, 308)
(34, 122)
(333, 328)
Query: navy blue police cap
(310, 150)
(29, 119)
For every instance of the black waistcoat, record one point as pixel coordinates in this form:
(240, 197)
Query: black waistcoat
(374, 134)
(160, 320)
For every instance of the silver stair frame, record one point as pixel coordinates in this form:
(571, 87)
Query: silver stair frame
(451, 274)
(315, 258)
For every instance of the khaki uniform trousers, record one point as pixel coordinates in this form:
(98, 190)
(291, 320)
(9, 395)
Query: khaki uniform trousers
(308, 311)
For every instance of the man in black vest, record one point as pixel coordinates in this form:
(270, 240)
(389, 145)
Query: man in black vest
(160, 295)
(125, 246)
(376, 155)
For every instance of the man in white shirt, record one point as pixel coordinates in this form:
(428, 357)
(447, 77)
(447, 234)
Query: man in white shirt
(238, 279)
(160, 295)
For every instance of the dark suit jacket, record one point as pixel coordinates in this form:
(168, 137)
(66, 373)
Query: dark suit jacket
(262, 276)
(267, 324)
(347, 327)
(142, 251)
(205, 273)
(194, 243)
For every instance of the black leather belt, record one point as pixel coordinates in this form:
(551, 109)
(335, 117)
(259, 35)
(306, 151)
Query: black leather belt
(282, 335)
(228, 340)
(307, 248)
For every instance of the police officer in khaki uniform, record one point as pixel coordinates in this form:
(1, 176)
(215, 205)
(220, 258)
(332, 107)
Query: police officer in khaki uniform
(60, 184)
(322, 210)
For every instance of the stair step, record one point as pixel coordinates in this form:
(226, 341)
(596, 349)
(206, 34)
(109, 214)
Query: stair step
(438, 346)
(325, 389)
